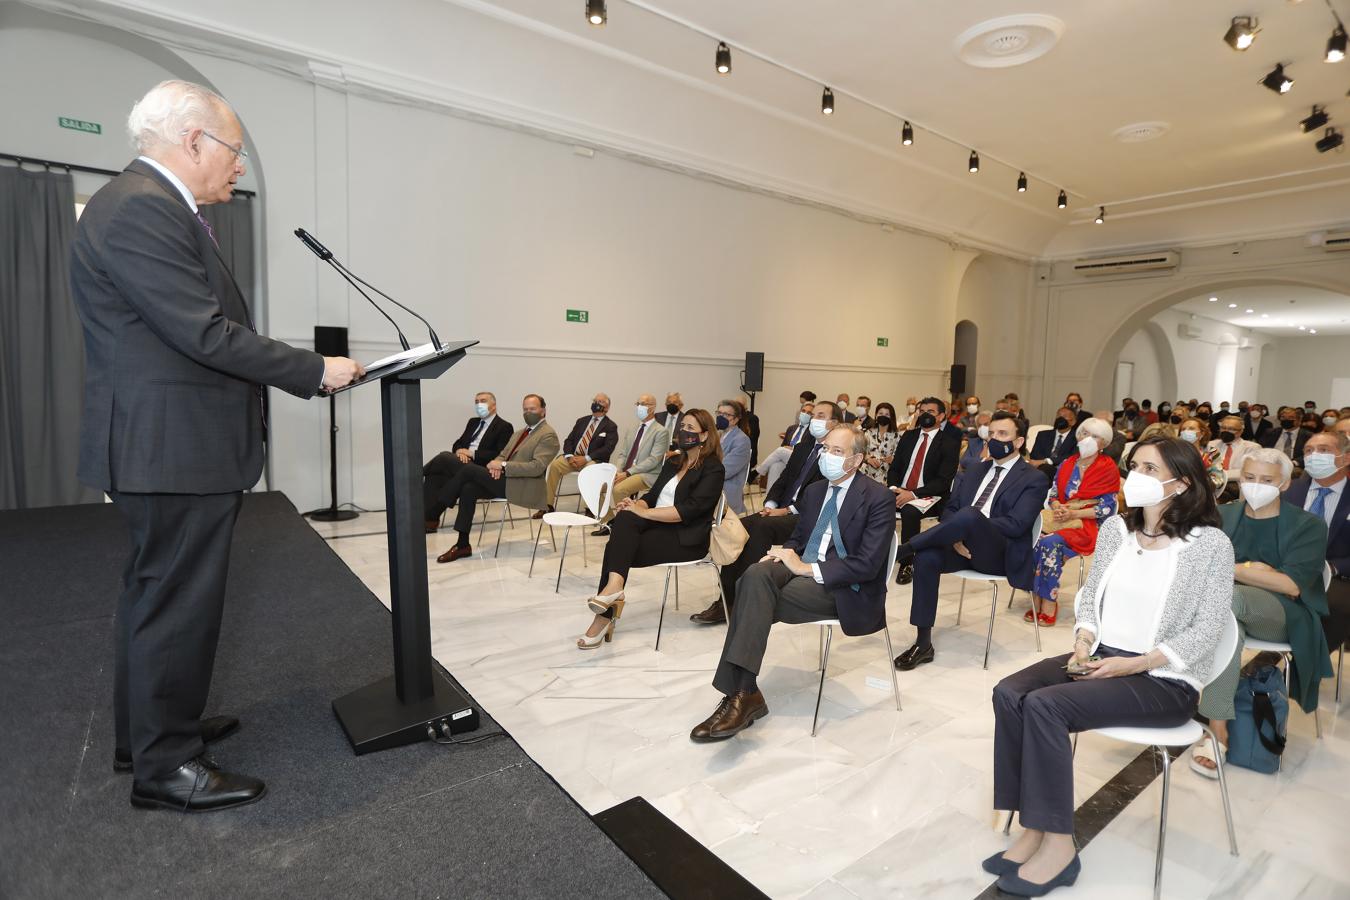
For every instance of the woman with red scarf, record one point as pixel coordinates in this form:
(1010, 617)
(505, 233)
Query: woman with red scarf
(1085, 493)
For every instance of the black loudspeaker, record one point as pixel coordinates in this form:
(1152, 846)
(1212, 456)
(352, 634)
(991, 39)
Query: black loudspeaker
(330, 340)
(754, 372)
(958, 379)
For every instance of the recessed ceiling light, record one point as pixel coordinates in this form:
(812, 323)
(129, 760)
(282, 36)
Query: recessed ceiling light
(1265, 315)
(1312, 331)
(1213, 299)
(1241, 33)
(1302, 328)
(1232, 306)
(1277, 81)
(1250, 311)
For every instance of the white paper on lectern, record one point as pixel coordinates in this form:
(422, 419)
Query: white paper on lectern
(414, 353)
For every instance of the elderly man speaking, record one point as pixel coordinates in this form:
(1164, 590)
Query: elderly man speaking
(173, 429)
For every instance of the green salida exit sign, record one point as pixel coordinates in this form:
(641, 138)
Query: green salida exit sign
(79, 125)
(578, 315)
(883, 342)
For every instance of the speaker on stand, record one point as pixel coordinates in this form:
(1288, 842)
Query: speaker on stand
(331, 341)
(752, 377)
(958, 382)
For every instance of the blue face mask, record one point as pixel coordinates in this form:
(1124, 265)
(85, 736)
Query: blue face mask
(481, 409)
(641, 412)
(819, 428)
(722, 423)
(803, 419)
(831, 466)
(999, 449)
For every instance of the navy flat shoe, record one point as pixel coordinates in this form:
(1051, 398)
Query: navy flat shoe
(1010, 883)
(997, 865)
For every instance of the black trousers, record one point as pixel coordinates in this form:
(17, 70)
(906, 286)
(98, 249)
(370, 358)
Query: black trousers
(1035, 711)
(435, 476)
(911, 520)
(763, 532)
(768, 593)
(934, 556)
(635, 542)
(471, 483)
(1337, 624)
(168, 623)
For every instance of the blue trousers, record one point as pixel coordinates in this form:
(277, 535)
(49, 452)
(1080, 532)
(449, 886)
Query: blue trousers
(934, 555)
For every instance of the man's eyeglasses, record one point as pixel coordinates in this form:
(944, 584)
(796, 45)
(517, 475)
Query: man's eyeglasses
(239, 152)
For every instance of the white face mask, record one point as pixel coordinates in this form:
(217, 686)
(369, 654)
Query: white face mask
(1259, 495)
(1320, 465)
(641, 412)
(972, 408)
(481, 409)
(1087, 447)
(819, 428)
(910, 407)
(1144, 490)
(862, 412)
(983, 432)
(1189, 436)
(1328, 420)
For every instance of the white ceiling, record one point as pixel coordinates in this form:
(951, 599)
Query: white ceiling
(1277, 310)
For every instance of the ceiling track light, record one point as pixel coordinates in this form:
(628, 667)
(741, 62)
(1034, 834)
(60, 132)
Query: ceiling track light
(596, 13)
(723, 59)
(1315, 121)
(1101, 215)
(1063, 200)
(1277, 81)
(1336, 44)
(907, 134)
(1330, 140)
(1021, 182)
(827, 102)
(1241, 33)
(974, 161)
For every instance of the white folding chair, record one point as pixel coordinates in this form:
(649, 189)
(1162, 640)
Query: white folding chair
(1181, 736)
(1033, 432)
(1286, 651)
(676, 566)
(993, 580)
(592, 481)
(746, 491)
(827, 627)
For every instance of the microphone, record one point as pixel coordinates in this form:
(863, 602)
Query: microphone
(326, 255)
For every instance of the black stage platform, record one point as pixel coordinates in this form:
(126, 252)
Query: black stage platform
(478, 820)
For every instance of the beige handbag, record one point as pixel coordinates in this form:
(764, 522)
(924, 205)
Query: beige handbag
(728, 540)
(1048, 523)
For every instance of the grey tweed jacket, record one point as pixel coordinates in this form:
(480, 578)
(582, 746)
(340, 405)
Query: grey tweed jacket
(1199, 598)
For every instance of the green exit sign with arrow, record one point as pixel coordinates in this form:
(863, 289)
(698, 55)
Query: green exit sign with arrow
(883, 342)
(79, 125)
(578, 315)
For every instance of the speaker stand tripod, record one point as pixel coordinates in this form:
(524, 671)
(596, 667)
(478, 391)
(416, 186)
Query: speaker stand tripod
(331, 513)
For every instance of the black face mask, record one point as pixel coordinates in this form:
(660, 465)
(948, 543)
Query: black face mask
(672, 409)
(1073, 405)
(688, 440)
(1202, 416)
(1175, 420)
(927, 420)
(1131, 412)
(1243, 409)
(884, 421)
(998, 449)
(597, 408)
(1061, 423)
(1227, 437)
(1288, 424)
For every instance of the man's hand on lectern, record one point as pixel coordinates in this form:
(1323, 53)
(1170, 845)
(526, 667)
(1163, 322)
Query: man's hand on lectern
(339, 371)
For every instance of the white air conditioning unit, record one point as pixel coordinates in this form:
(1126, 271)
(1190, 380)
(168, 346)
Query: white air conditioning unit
(1188, 332)
(1333, 241)
(1138, 262)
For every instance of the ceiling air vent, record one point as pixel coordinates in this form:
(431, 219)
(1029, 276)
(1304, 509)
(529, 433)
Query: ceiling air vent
(1336, 240)
(1139, 262)
(1188, 332)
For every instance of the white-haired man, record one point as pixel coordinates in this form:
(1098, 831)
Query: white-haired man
(173, 429)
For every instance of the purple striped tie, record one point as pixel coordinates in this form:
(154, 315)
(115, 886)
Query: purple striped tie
(210, 232)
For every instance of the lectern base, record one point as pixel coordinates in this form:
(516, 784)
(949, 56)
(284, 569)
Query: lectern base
(332, 515)
(374, 719)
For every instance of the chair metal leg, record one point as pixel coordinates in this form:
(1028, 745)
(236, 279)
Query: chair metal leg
(993, 608)
(824, 664)
(1012, 595)
(1007, 826)
(584, 563)
(501, 523)
(1223, 791)
(561, 556)
(661, 621)
(512, 515)
(1035, 622)
(820, 649)
(890, 664)
(1162, 824)
(677, 587)
(482, 525)
(1074, 751)
(721, 595)
(1340, 665)
(960, 604)
(533, 552)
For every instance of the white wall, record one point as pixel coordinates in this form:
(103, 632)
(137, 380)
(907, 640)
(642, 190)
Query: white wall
(1303, 369)
(1143, 353)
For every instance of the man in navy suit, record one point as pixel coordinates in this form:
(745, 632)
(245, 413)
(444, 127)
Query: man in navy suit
(924, 464)
(833, 566)
(1056, 444)
(1289, 438)
(484, 438)
(1324, 489)
(986, 526)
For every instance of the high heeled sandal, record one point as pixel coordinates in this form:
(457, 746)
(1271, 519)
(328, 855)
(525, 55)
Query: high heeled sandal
(586, 642)
(602, 602)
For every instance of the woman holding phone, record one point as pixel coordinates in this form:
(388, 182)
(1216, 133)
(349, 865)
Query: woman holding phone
(1148, 621)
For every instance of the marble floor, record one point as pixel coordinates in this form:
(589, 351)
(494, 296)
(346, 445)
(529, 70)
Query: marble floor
(880, 803)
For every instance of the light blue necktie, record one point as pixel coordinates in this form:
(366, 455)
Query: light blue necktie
(829, 518)
(1319, 504)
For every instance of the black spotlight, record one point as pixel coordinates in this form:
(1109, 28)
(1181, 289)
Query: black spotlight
(1315, 121)
(1021, 182)
(1330, 141)
(1336, 44)
(1101, 215)
(723, 59)
(907, 134)
(1063, 200)
(827, 102)
(1277, 81)
(974, 161)
(1241, 33)
(595, 12)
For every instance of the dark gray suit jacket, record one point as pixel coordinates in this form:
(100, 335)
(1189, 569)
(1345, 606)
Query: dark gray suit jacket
(172, 402)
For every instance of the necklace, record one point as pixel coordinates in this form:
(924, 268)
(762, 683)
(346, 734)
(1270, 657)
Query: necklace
(1140, 550)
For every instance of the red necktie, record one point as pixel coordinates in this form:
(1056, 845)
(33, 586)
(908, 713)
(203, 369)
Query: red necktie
(1227, 455)
(586, 438)
(915, 470)
(516, 446)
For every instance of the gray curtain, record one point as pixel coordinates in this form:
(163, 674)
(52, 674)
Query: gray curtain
(233, 225)
(41, 344)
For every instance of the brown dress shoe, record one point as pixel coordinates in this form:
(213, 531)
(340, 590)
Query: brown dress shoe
(454, 553)
(433, 525)
(713, 615)
(732, 716)
(539, 513)
(764, 482)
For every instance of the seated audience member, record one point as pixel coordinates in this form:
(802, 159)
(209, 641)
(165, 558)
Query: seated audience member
(1131, 422)
(1256, 426)
(832, 566)
(672, 523)
(1205, 412)
(864, 411)
(1196, 433)
(484, 437)
(774, 523)
(639, 457)
(1084, 496)
(1164, 412)
(906, 419)
(1116, 448)
(593, 439)
(1156, 652)
(1277, 595)
(1228, 451)
(1329, 417)
(734, 437)
(985, 526)
(1015, 407)
(881, 440)
(1001, 405)
(752, 428)
(921, 472)
(1342, 425)
(973, 455)
(1321, 490)
(1310, 406)
(964, 420)
(1146, 410)
(516, 474)
(775, 462)
(1312, 422)
(1074, 401)
(674, 407)
(1289, 438)
(1055, 444)
(1158, 429)
(846, 416)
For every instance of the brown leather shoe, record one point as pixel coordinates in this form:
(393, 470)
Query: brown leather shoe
(713, 615)
(539, 513)
(732, 716)
(454, 553)
(764, 482)
(433, 525)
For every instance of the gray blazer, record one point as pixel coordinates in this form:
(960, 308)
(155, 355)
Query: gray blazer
(651, 453)
(173, 367)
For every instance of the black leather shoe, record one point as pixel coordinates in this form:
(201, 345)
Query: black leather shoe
(998, 865)
(904, 573)
(914, 657)
(713, 615)
(214, 728)
(196, 786)
(602, 531)
(1012, 883)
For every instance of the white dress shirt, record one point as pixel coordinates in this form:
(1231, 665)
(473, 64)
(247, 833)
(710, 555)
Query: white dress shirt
(932, 436)
(173, 179)
(478, 435)
(1332, 502)
(827, 537)
(1002, 480)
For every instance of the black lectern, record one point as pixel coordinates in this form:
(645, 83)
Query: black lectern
(398, 710)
